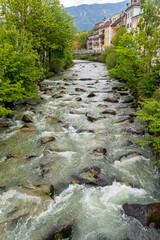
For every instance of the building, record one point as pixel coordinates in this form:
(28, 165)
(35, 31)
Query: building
(132, 11)
(90, 42)
(108, 34)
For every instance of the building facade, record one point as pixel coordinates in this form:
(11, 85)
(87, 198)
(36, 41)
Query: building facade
(132, 11)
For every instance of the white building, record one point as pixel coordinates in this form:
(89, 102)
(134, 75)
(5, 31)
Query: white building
(132, 10)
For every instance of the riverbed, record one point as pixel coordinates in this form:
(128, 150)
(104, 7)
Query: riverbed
(81, 137)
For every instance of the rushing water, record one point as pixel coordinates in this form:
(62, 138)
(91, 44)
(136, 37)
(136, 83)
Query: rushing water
(96, 211)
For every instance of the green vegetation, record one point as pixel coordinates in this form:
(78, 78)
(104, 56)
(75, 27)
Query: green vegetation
(135, 60)
(36, 37)
(84, 57)
(82, 39)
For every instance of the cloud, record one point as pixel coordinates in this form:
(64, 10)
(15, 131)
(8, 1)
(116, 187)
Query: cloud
(68, 3)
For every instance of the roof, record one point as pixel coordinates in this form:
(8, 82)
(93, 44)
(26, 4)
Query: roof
(97, 26)
(106, 24)
(116, 22)
(134, 5)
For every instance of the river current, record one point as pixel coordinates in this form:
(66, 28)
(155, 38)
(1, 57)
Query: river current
(80, 126)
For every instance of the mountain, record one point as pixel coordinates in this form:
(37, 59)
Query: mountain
(86, 16)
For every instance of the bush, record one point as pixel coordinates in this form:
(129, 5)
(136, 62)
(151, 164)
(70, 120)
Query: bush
(150, 113)
(111, 60)
(102, 57)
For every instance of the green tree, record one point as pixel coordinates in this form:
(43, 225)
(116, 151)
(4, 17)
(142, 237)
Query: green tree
(20, 70)
(119, 34)
(82, 38)
(50, 26)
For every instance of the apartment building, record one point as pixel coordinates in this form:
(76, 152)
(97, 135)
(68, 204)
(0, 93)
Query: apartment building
(104, 31)
(133, 10)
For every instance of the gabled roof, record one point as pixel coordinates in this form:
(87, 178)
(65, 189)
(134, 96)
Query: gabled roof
(116, 22)
(106, 24)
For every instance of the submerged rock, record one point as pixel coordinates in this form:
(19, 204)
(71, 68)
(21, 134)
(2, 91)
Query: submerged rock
(26, 118)
(102, 105)
(129, 155)
(45, 140)
(32, 157)
(147, 215)
(114, 100)
(53, 120)
(27, 128)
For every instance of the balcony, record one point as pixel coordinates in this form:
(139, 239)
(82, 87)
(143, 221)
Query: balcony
(101, 36)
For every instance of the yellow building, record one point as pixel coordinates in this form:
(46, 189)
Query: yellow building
(135, 21)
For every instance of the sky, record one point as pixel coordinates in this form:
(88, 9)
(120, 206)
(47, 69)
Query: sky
(69, 3)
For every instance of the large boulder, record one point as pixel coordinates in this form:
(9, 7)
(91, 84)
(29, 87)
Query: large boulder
(62, 232)
(37, 190)
(147, 215)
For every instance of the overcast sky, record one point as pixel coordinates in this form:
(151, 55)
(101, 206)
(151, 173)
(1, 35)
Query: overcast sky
(68, 3)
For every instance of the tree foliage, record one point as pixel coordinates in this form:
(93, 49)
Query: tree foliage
(82, 38)
(33, 33)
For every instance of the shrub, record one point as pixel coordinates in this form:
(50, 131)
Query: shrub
(111, 60)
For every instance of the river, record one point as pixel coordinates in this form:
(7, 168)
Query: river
(86, 147)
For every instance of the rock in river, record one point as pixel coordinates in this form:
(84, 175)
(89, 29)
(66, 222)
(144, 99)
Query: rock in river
(37, 190)
(91, 95)
(80, 90)
(93, 119)
(45, 140)
(78, 99)
(87, 176)
(109, 111)
(147, 215)
(26, 118)
(61, 232)
(27, 128)
(114, 100)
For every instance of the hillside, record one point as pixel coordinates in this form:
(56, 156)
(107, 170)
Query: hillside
(88, 15)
